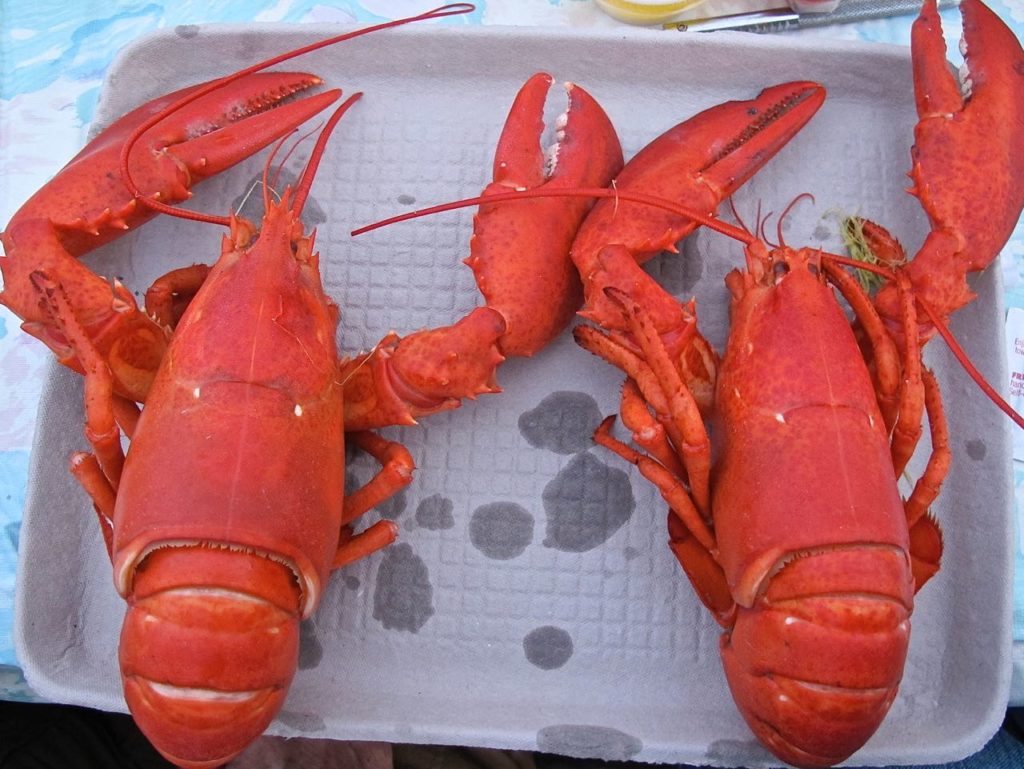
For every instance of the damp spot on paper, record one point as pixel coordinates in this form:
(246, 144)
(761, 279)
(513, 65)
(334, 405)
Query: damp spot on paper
(630, 552)
(822, 232)
(352, 583)
(501, 530)
(564, 422)
(310, 650)
(976, 450)
(187, 30)
(403, 598)
(548, 647)
(586, 503)
(406, 200)
(582, 741)
(393, 506)
(435, 512)
(302, 722)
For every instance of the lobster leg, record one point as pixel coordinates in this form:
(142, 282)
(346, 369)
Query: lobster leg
(691, 539)
(354, 547)
(648, 432)
(89, 474)
(101, 428)
(925, 535)
(395, 474)
(170, 294)
(695, 445)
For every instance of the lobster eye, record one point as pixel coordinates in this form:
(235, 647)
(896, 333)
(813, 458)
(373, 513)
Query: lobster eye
(779, 269)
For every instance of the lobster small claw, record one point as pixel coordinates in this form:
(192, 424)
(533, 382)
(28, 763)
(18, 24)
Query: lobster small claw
(968, 172)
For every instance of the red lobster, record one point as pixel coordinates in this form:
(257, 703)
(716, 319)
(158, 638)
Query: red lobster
(244, 394)
(790, 525)
(787, 518)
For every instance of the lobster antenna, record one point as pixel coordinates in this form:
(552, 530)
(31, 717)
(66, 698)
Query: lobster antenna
(708, 220)
(452, 9)
(306, 181)
(736, 213)
(785, 213)
(275, 182)
(714, 223)
(264, 178)
(961, 355)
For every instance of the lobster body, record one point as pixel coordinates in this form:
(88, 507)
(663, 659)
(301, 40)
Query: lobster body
(252, 364)
(218, 545)
(815, 550)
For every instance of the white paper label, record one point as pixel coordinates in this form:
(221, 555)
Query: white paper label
(1015, 363)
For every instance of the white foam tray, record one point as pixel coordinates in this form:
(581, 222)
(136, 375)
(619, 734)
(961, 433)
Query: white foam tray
(565, 626)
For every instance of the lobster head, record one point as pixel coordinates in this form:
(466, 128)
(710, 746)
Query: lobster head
(206, 663)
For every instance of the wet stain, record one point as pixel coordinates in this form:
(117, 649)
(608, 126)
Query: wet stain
(582, 741)
(822, 232)
(406, 200)
(310, 650)
(303, 722)
(435, 512)
(501, 530)
(352, 583)
(548, 647)
(631, 552)
(393, 506)
(586, 503)
(187, 31)
(564, 422)
(403, 598)
(976, 450)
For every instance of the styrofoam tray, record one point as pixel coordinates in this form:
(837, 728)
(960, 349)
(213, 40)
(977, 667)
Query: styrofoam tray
(531, 601)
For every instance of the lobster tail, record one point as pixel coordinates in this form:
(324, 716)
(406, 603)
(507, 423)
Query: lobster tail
(812, 708)
(203, 707)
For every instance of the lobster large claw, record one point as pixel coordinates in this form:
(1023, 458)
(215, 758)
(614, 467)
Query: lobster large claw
(968, 171)
(87, 205)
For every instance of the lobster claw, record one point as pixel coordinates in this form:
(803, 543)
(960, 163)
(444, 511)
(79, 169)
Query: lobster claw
(520, 250)
(968, 171)
(87, 205)
(698, 163)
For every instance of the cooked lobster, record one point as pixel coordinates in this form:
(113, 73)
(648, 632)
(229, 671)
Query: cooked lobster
(785, 515)
(228, 512)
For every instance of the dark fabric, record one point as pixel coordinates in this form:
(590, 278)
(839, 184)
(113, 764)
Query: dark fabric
(43, 736)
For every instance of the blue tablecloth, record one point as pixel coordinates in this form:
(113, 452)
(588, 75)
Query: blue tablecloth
(53, 56)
